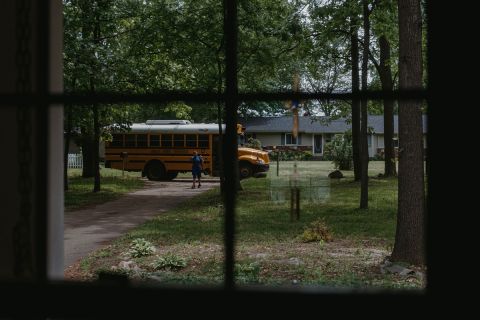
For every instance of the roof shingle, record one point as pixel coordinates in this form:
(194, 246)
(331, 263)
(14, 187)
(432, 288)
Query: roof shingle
(314, 124)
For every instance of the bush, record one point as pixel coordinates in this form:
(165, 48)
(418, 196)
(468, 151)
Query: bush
(253, 143)
(169, 261)
(377, 157)
(340, 152)
(289, 155)
(141, 247)
(317, 231)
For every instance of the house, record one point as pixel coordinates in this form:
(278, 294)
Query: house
(315, 132)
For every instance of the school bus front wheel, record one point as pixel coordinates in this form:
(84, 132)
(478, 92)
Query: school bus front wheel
(245, 170)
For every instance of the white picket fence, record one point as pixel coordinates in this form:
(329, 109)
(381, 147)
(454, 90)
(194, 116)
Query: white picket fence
(75, 160)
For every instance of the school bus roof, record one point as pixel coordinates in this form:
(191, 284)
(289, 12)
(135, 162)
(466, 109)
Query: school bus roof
(193, 128)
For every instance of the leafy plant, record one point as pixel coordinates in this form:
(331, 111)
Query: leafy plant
(317, 231)
(254, 143)
(247, 272)
(169, 261)
(288, 155)
(340, 151)
(141, 247)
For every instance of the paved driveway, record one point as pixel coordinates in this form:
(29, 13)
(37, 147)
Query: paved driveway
(89, 229)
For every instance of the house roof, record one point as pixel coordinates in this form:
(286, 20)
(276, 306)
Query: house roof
(314, 124)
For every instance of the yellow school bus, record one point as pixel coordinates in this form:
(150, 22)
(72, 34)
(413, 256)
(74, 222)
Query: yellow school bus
(160, 149)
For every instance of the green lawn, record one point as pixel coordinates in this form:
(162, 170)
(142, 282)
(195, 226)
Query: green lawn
(112, 186)
(269, 250)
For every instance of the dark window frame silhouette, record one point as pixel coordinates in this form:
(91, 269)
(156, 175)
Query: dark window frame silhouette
(43, 98)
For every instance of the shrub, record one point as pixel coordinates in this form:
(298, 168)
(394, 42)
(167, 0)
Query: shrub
(288, 155)
(254, 143)
(141, 247)
(307, 155)
(377, 157)
(317, 231)
(169, 261)
(340, 152)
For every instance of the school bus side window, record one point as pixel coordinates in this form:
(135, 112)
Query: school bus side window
(166, 140)
(191, 140)
(154, 140)
(117, 140)
(141, 140)
(203, 141)
(179, 140)
(129, 140)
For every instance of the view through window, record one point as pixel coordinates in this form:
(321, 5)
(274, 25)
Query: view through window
(319, 193)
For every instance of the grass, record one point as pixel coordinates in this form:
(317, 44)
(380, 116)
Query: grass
(269, 250)
(112, 186)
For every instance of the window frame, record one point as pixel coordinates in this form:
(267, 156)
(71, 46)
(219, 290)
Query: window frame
(287, 134)
(44, 99)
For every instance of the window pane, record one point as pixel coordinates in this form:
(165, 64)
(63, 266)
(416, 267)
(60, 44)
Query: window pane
(117, 140)
(203, 141)
(154, 140)
(179, 140)
(129, 140)
(191, 140)
(141, 140)
(289, 139)
(166, 140)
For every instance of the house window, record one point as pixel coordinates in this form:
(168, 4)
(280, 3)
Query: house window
(290, 139)
(395, 142)
(369, 139)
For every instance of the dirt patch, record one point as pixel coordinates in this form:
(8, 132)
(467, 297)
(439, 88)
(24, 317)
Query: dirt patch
(347, 262)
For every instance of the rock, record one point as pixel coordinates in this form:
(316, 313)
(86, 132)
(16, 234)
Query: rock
(259, 256)
(128, 265)
(397, 269)
(295, 261)
(337, 174)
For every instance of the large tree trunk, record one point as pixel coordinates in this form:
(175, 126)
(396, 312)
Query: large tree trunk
(96, 124)
(387, 85)
(355, 103)
(364, 111)
(409, 238)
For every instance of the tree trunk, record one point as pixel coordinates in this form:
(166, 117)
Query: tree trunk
(96, 143)
(220, 133)
(96, 125)
(409, 238)
(87, 154)
(68, 131)
(387, 85)
(364, 111)
(355, 103)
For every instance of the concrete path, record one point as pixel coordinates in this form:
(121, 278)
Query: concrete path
(89, 229)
